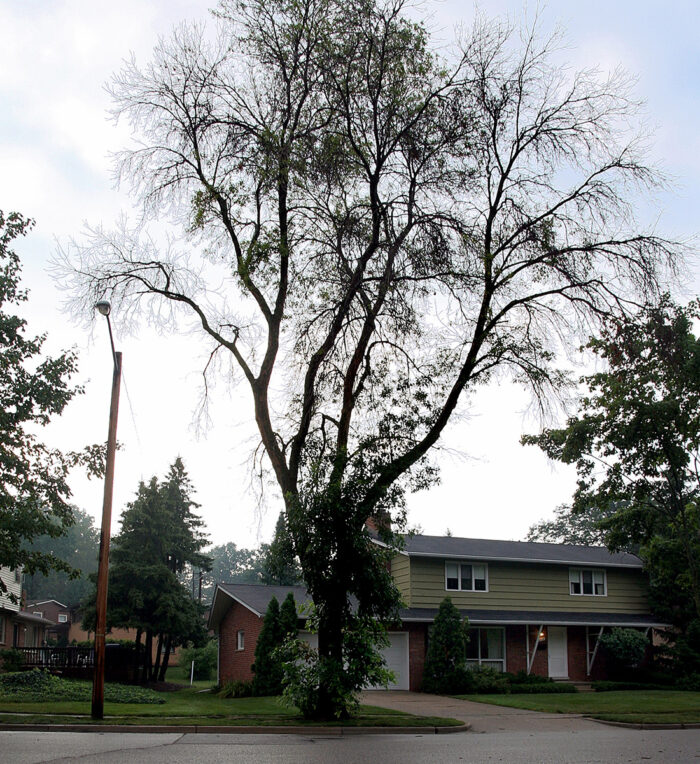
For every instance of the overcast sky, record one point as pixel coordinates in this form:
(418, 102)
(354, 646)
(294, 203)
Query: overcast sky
(55, 141)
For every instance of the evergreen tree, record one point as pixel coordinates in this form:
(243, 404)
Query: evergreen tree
(159, 536)
(447, 649)
(268, 670)
(281, 566)
(288, 617)
(186, 536)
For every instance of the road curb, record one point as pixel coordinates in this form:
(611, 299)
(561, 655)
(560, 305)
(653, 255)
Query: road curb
(644, 726)
(229, 730)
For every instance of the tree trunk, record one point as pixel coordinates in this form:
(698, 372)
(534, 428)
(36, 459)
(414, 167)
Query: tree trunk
(330, 650)
(137, 662)
(156, 665)
(147, 658)
(166, 658)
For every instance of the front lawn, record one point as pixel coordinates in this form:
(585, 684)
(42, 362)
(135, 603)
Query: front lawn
(187, 706)
(646, 707)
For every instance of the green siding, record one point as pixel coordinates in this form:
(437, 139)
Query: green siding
(528, 586)
(401, 571)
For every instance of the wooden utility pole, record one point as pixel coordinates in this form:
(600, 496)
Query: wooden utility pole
(98, 683)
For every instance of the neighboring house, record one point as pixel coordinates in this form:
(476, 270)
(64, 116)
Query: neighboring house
(535, 607)
(55, 611)
(18, 628)
(236, 616)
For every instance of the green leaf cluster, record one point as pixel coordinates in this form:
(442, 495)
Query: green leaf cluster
(34, 388)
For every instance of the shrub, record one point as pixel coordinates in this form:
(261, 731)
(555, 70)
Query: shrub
(522, 677)
(488, 681)
(445, 662)
(11, 659)
(690, 682)
(625, 647)
(541, 688)
(204, 660)
(305, 672)
(236, 689)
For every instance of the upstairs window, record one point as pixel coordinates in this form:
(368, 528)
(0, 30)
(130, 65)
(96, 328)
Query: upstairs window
(240, 640)
(587, 581)
(466, 577)
(62, 618)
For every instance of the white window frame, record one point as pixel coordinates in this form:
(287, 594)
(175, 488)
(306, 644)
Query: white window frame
(488, 661)
(240, 639)
(63, 618)
(578, 572)
(474, 564)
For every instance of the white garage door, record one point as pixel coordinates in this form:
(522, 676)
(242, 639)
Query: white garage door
(396, 656)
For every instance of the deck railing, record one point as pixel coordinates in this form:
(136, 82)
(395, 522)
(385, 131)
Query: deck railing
(58, 657)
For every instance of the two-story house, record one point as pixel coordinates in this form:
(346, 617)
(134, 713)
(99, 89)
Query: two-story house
(531, 606)
(18, 628)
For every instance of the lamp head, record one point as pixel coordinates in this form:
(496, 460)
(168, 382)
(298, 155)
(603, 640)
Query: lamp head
(104, 307)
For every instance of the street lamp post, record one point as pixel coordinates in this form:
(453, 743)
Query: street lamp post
(98, 683)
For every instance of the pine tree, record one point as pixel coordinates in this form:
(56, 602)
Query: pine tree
(288, 617)
(268, 670)
(159, 535)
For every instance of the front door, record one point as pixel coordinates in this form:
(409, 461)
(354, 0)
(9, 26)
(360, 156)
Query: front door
(557, 652)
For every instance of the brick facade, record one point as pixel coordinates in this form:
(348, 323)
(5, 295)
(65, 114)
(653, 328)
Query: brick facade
(417, 648)
(235, 663)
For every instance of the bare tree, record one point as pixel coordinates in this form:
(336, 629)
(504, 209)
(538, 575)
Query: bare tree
(387, 228)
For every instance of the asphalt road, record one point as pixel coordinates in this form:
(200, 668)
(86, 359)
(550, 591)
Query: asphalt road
(600, 744)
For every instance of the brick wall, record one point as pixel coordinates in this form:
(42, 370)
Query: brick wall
(417, 647)
(235, 663)
(577, 656)
(516, 651)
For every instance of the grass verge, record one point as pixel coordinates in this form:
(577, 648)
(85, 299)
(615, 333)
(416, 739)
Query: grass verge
(648, 707)
(190, 706)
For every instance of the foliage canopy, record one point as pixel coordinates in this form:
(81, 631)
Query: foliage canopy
(34, 492)
(636, 446)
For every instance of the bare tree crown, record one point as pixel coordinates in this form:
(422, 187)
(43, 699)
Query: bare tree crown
(373, 226)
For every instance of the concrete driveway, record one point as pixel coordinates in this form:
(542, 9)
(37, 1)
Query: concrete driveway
(481, 716)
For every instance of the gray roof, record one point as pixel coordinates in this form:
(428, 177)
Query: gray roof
(256, 597)
(23, 615)
(536, 617)
(517, 551)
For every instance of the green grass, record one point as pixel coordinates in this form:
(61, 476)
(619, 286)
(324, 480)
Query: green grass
(189, 706)
(647, 707)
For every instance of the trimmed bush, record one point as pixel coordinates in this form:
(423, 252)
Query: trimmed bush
(522, 677)
(542, 688)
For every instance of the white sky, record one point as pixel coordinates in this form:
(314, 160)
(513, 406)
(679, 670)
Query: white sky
(55, 139)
